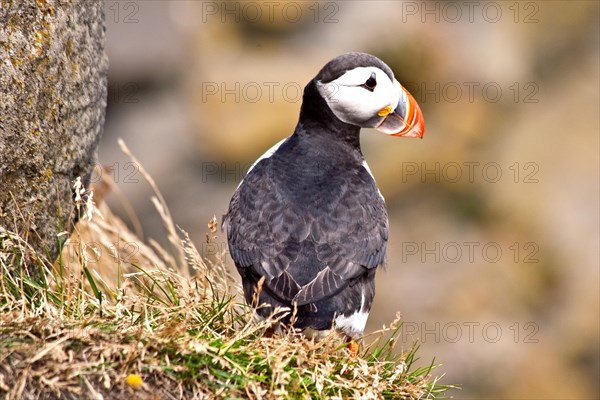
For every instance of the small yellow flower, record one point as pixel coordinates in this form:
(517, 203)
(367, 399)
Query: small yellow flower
(135, 381)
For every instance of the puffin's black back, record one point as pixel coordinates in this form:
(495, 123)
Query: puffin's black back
(310, 219)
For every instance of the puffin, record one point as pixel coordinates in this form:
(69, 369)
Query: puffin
(307, 227)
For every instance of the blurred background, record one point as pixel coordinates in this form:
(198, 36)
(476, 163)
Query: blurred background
(493, 259)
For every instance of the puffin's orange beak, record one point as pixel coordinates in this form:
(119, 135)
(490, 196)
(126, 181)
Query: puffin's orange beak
(406, 120)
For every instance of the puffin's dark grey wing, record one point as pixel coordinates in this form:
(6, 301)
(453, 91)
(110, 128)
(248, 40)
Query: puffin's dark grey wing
(259, 227)
(308, 252)
(350, 238)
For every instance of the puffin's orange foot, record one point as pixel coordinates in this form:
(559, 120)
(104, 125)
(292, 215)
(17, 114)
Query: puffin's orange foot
(353, 347)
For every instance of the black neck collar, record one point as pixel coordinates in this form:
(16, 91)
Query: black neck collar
(316, 118)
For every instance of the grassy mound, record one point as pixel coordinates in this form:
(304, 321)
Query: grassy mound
(115, 318)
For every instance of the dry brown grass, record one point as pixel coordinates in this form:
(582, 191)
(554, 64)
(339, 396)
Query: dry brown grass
(117, 318)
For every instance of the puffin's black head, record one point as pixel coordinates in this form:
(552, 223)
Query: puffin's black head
(360, 90)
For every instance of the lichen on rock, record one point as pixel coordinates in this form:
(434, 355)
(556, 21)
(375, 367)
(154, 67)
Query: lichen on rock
(53, 86)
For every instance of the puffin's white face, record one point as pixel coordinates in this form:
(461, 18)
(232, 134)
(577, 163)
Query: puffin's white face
(359, 94)
(367, 97)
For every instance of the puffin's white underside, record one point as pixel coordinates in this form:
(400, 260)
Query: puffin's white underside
(354, 324)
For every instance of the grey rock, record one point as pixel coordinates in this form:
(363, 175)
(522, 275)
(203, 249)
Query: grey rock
(53, 80)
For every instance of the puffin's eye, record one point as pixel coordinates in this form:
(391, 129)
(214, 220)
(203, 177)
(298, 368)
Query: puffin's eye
(370, 83)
